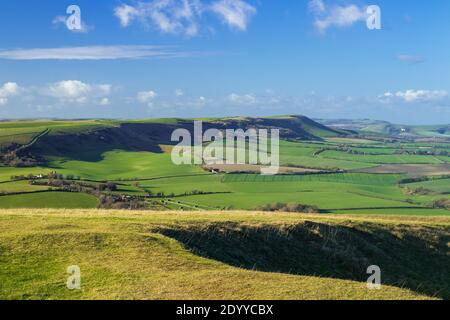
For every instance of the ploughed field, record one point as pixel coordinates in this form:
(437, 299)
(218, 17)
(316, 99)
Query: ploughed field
(321, 169)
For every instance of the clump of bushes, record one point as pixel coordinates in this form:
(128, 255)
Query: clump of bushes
(422, 179)
(440, 204)
(111, 202)
(288, 207)
(421, 191)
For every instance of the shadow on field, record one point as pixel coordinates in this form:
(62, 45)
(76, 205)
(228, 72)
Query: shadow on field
(410, 256)
(90, 146)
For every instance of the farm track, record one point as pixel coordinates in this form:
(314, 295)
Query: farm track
(375, 208)
(380, 162)
(164, 177)
(377, 197)
(408, 169)
(33, 141)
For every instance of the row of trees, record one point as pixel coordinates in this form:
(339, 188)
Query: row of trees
(288, 207)
(11, 159)
(443, 203)
(76, 186)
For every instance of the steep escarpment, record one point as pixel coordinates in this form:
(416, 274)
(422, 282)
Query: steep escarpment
(90, 144)
(412, 256)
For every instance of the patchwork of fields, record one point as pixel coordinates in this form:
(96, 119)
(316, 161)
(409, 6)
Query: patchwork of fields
(365, 179)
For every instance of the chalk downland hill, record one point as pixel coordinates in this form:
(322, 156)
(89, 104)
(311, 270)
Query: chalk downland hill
(217, 255)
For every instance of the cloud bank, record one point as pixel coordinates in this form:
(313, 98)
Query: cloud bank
(8, 90)
(185, 17)
(93, 53)
(340, 16)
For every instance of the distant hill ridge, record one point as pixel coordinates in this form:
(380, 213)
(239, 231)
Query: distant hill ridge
(148, 135)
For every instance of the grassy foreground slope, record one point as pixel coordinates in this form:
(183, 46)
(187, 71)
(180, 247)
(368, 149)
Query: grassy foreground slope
(235, 255)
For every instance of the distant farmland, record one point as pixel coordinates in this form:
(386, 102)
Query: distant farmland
(321, 168)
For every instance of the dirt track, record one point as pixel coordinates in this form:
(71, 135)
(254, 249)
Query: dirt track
(410, 169)
(235, 168)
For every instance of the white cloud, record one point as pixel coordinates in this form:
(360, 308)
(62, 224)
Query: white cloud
(147, 97)
(335, 16)
(8, 90)
(411, 96)
(179, 93)
(62, 20)
(184, 16)
(68, 89)
(92, 53)
(105, 102)
(126, 14)
(246, 99)
(167, 16)
(422, 95)
(317, 6)
(76, 91)
(235, 13)
(411, 59)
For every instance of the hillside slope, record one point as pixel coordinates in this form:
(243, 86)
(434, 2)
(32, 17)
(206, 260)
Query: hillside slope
(87, 140)
(235, 255)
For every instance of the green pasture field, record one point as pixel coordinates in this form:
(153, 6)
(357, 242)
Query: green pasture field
(20, 186)
(7, 172)
(55, 127)
(23, 132)
(323, 163)
(430, 131)
(325, 195)
(419, 212)
(302, 154)
(53, 200)
(330, 192)
(377, 151)
(21, 136)
(340, 140)
(381, 159)
(20, 139)
(129, 190)
(119, 164)
(438, 185)
(352, 178)
(444, 159)
(178, 185)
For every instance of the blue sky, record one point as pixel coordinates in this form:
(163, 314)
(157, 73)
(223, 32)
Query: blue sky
(195, 58)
